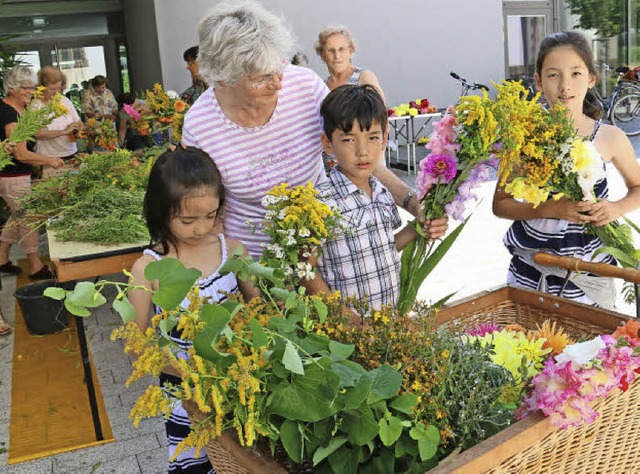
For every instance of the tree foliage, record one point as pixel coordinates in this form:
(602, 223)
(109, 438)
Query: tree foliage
(607, 17)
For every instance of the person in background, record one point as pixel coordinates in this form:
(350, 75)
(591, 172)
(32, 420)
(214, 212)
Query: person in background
(127, 137)
(98, 102)
(336, 46)
(260, 121)
(15, 179)
(183, 206)
(198, 86)
(300, 59)
(364, 261)
(566, 73)
(58, 138)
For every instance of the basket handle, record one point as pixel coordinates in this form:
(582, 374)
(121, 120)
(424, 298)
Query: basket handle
(575, 264)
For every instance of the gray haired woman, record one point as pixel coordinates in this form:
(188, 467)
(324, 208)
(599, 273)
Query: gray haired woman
(336, 46)
(15, 179)
(260, 119)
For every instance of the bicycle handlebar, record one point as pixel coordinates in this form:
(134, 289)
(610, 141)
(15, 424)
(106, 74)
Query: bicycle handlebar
(473, 86)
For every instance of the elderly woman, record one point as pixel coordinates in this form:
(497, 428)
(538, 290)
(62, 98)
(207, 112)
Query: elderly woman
(15, 179)
(57, 138)
(335, 46)
(260, 122)
(98, 102)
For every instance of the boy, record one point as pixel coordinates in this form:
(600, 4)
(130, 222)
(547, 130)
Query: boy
(363, 262)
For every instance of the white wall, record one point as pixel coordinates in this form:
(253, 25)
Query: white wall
(411, 45)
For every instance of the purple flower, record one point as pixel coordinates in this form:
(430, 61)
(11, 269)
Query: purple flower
(441, 167)
(483, 329)
(455, 209)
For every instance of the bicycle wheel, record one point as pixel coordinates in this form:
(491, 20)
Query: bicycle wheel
(625, 113)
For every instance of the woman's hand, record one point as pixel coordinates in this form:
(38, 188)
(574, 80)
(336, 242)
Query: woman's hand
(9, 147)
(72, 127)
(604, 212)
(56, 163)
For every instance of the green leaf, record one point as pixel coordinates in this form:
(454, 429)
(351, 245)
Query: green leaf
(174, 281)
(216, 317)
(346, 460)
(166, 325)
(405, 403)
(321, 308)
(85, 294)
(259, 337)
(627, 261)
(307, 398)
(125, 310)
(340, 351)
(233, 264)
(55, 293)
(325, 451)
(386, 383)
(390, 430)
(76, 310)
(292, 439)
(428, 439)
(350, 372)
(292, 360)
(360, 429)
(355, 396)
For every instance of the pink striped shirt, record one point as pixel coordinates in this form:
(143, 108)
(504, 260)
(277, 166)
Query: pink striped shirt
(253, 160)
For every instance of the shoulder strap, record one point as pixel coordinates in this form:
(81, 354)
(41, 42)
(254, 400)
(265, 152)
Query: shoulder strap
(152, 253)
(595, 130)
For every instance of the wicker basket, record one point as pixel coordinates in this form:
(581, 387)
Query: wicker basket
(533, 445)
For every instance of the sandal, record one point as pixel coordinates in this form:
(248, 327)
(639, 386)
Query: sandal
(10, 268)
(5, 328)
(45, 273)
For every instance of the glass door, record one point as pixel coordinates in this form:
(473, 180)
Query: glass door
(526, 23)
(79, 63)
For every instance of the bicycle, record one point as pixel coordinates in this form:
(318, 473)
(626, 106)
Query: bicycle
(466, 86)
(622, 107)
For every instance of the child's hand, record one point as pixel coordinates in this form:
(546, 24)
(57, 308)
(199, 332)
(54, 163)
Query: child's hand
(578, 212)
(603, 212)
(436, 228)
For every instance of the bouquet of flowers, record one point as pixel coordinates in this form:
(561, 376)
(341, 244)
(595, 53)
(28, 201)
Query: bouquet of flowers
(542, 156)
(462, 153)
(296, 223)
(30, 122)
(162, 110)
(100, 133)
(569, 384)
(413, 108)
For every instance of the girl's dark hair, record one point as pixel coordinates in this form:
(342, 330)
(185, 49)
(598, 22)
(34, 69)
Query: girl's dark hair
(175, 175)
(591, 106)
(348, 103)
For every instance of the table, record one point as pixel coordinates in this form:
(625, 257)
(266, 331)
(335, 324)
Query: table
(408, 128)
(78, 260)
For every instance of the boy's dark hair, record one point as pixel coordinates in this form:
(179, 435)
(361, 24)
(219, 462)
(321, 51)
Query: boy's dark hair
(190, 54)
(98, 81)
(591, 106)
(348, 103)
(175, 175)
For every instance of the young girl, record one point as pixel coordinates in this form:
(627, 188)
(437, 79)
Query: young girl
(565, 72)
(182, 207)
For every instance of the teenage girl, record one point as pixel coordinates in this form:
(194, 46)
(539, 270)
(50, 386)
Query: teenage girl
(565, 72)
(182, 207)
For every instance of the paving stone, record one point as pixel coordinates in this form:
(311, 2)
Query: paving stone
(153, 462)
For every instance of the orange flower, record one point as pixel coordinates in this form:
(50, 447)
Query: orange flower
(556, 338)
(180, 106)
(630, 328)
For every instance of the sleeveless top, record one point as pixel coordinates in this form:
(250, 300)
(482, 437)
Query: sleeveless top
(556, 236)
(354, 79)
(211, 287)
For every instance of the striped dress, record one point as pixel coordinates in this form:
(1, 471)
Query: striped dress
(556, 236)
(254, 160)
(178, 425)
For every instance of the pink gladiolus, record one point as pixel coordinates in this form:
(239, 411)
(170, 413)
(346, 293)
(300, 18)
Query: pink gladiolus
(131, 112)
(442, 167)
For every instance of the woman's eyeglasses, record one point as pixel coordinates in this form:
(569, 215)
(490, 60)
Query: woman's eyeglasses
(266, 79)
(28, 88)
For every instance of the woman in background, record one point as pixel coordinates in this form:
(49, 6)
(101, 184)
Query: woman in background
(57, 139)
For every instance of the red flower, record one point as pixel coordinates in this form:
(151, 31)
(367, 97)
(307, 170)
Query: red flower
(391, 113)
